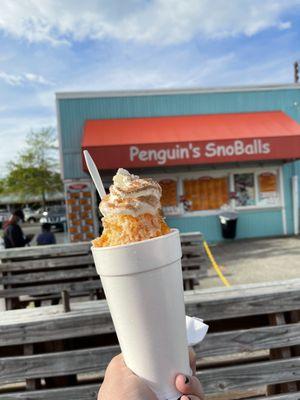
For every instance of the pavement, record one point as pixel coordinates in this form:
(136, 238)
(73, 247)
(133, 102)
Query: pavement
(255, 260)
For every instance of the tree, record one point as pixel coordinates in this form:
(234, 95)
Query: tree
(35, 172)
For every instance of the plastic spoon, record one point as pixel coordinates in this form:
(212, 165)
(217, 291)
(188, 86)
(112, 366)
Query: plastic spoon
(93, 170)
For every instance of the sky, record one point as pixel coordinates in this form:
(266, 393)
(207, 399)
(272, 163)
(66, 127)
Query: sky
(72, 45)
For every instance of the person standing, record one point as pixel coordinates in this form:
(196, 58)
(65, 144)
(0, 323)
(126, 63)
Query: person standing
(13, 234)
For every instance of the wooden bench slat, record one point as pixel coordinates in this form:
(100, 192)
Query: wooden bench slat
(19, 368)
(222, 380)
(28, 324)
(191, 238)
(54, 250)
(46, 276)
(215, 380)
(187, 262)
(268, 337)
(46, 263)
(253, 302)
(69, 274)
(91, 282)
(55, 288)
(80, 392)
(89, 392)
(285, 396)
(49, 264)
(215, 344)
(73, 248)
(69, 262)
(190, 249)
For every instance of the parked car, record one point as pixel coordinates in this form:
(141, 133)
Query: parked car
(33, 216)
(55, 216)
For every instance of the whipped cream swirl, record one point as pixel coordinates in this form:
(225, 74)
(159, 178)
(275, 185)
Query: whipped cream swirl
(131, 195)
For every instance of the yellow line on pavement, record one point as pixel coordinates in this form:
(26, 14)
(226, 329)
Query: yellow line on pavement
(215, 265)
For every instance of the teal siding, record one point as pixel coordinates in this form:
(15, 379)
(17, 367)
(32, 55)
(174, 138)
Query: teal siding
(250, 224)
(288, 172)
(74, 112)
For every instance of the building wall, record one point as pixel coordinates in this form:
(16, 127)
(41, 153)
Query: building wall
(72, 114)
(249, 225)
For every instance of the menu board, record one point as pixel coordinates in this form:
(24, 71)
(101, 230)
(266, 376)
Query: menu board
(80, 206)
(206, 193)
(267, 183)
(169, 198)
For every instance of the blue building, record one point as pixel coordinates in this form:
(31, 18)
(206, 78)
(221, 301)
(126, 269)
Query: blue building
(207, 147)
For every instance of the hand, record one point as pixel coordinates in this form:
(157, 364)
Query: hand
(121, 383)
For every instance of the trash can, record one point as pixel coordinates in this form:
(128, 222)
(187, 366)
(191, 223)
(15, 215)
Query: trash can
(228, 220)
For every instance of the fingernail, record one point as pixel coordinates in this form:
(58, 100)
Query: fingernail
(186, 380)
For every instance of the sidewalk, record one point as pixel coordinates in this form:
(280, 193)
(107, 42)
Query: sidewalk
(255, 260)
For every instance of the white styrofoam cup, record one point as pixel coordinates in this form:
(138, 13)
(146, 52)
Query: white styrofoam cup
(144, 290)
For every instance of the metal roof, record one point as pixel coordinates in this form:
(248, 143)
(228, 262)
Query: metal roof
(154, 92)
(16, 199)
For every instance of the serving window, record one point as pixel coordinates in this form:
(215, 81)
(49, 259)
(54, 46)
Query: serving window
(188, 193)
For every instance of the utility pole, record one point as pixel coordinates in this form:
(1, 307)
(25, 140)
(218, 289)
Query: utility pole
(296, 71)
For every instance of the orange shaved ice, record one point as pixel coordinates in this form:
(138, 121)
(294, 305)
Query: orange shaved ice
(121, 229)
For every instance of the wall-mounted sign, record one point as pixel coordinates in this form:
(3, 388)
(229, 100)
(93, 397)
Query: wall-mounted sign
(80, 211)
(191, 139)
(268, 192)
(206, 193)
(169, 198)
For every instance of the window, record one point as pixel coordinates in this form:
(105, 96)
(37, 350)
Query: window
(244, 188)
(205, 193)
(256, 189)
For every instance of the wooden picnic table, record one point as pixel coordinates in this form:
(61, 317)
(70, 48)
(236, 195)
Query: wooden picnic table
(43, 273)
(254, 341)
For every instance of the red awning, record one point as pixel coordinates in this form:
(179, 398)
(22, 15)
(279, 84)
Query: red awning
(192, 139)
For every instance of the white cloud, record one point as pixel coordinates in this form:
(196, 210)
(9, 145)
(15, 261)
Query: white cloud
(159, 22)
(36, 78)
(22, 79)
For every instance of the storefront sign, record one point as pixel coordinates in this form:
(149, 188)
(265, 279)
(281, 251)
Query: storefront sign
(208, 151)
(191, 139)
(159, 154)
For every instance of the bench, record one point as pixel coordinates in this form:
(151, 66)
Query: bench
(42, 273)
(37, 274)
(194, 259)
(252, 348)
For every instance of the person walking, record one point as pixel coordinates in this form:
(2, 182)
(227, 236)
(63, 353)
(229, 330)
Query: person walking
(13, 234)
